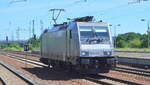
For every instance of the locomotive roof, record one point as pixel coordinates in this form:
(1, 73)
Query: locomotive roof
(93, 23)
(55, 28)
(72, 24)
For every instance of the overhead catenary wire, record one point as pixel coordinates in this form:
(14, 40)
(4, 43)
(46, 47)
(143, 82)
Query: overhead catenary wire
(137, 1)
(79, 1)
(117, 7)
(16, 1)
(103, 11)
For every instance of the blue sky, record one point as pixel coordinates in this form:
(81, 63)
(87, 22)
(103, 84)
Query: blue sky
(112, 11)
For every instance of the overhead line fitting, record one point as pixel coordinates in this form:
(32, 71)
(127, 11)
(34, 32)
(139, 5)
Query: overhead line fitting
(57, 15)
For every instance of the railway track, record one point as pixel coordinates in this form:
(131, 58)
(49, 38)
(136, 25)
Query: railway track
(31, 61)
(133, 51)
(121, 69)
(2, 82)
(106, 80)
(11, 76)
(133, 71)
(23, 53)
(100, 79)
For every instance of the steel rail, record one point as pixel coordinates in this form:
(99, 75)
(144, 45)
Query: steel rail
(27, 60)
(87, 78)
(93, 78)
(3, 82)
(97, 81)
(18, 74)
(22, 57)
(35, 62)
(132, 71)
(21, 53)
(139, 70)
(114, 79)
(133, 51)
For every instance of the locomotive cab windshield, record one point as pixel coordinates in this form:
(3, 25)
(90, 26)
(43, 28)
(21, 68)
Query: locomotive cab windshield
(95, 40)
(94, 35)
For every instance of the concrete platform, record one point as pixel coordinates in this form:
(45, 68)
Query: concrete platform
(134, 61)
(142, 55)
(137, 59)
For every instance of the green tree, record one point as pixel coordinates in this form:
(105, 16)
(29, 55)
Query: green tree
(129, 39)
(122, 44)
(2, 45)
(30, 47)
(34, 43)
(15, 45)
(135, 43)
(144, 40)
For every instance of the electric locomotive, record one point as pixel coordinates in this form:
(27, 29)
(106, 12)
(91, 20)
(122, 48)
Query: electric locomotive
(80, 44)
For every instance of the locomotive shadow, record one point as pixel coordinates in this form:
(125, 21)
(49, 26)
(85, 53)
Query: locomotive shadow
(45, 73)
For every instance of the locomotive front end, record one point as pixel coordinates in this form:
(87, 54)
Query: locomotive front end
(96, 47)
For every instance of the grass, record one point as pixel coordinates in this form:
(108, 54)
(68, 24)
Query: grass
(133, 49)
(13, 49)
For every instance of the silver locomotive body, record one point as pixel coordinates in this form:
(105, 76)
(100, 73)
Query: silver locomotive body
(85, 46)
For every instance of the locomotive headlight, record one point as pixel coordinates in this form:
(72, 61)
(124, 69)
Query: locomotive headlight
(83, 53)
(107, 52)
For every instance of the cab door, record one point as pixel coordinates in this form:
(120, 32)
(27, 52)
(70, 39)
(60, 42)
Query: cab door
(68, 44)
